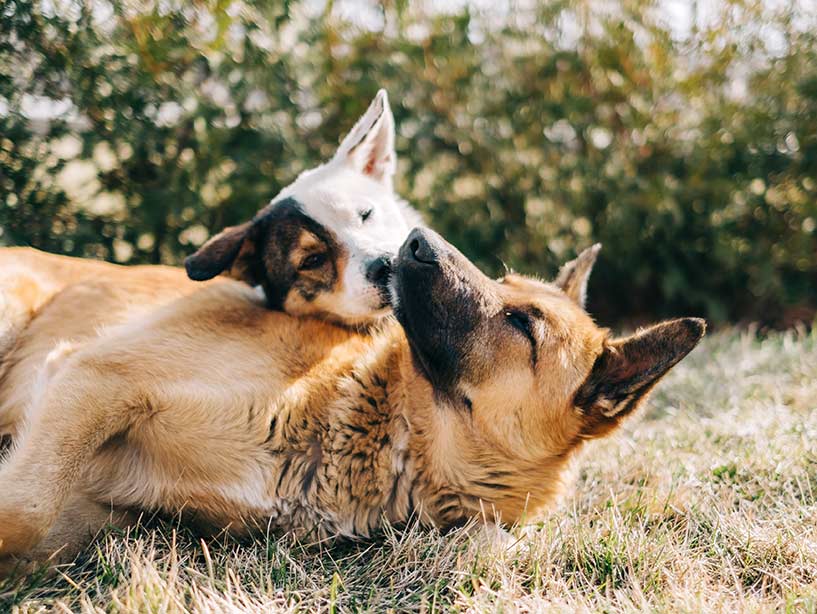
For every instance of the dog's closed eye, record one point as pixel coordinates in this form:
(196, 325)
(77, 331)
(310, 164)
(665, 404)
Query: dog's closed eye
(366, 214)
(520, 321)
(523, 324)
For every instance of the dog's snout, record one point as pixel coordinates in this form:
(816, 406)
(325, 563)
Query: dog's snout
(421, 248)
(378, 271)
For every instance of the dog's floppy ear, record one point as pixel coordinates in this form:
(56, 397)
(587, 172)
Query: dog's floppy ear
(573, 276)
(222, 253)
(369, 147)
(628, 368)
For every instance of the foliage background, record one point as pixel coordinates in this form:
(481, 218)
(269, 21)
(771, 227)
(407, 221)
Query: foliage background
(131, 131)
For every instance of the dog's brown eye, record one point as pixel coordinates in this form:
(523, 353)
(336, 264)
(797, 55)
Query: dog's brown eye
(313, 261)
(365, 215)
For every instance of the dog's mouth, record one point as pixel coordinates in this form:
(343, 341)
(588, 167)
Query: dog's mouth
(379, 273)
(384, 292)
(383, 309)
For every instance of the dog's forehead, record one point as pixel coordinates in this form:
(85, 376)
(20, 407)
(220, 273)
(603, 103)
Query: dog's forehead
(308, 240)
(332, 209)
(289, 227)
(547, 298)
(335, 196)
(523, 288)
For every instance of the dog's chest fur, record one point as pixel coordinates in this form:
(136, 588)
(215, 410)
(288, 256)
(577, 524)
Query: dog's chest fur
(342, 471)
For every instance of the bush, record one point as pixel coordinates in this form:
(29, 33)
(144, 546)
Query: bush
(525, 136)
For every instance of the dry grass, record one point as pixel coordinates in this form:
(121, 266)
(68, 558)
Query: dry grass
(707, 502)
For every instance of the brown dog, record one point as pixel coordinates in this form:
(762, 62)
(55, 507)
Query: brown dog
(247, 417)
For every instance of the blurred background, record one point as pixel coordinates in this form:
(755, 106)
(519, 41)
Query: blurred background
(682, 134)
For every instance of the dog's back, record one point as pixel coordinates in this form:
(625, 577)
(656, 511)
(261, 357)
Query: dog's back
(91, 295)
(29, 278)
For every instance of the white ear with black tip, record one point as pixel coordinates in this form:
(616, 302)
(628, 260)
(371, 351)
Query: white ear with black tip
(369, 146)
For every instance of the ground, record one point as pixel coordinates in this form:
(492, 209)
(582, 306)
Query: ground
(707, 501)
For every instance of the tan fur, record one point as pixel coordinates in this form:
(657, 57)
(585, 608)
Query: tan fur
(93, 295)
(241, 417)
(28, 279)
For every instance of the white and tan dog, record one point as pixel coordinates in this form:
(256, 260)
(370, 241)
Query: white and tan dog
(324, 245)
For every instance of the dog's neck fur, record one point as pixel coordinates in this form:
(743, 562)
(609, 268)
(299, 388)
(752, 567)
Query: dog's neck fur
(379, 444)
(344, 455)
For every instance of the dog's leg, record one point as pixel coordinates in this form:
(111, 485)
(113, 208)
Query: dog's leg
(79, 522)
(88, 402)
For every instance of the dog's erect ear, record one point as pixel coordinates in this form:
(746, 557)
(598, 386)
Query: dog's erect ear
(369, 147)
(573, 276)
(222, 253)
(627, 369)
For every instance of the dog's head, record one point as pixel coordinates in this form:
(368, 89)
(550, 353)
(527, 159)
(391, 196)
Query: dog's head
(324, 245)
(521, 370)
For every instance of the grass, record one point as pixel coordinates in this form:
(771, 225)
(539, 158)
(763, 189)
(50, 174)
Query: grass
(705, 502)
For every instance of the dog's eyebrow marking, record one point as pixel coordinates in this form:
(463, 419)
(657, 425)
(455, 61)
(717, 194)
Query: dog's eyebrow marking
(536, 312)
(308, 240)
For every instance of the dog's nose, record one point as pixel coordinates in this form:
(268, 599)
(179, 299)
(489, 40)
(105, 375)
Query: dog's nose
(421, 248)
(378, 270)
